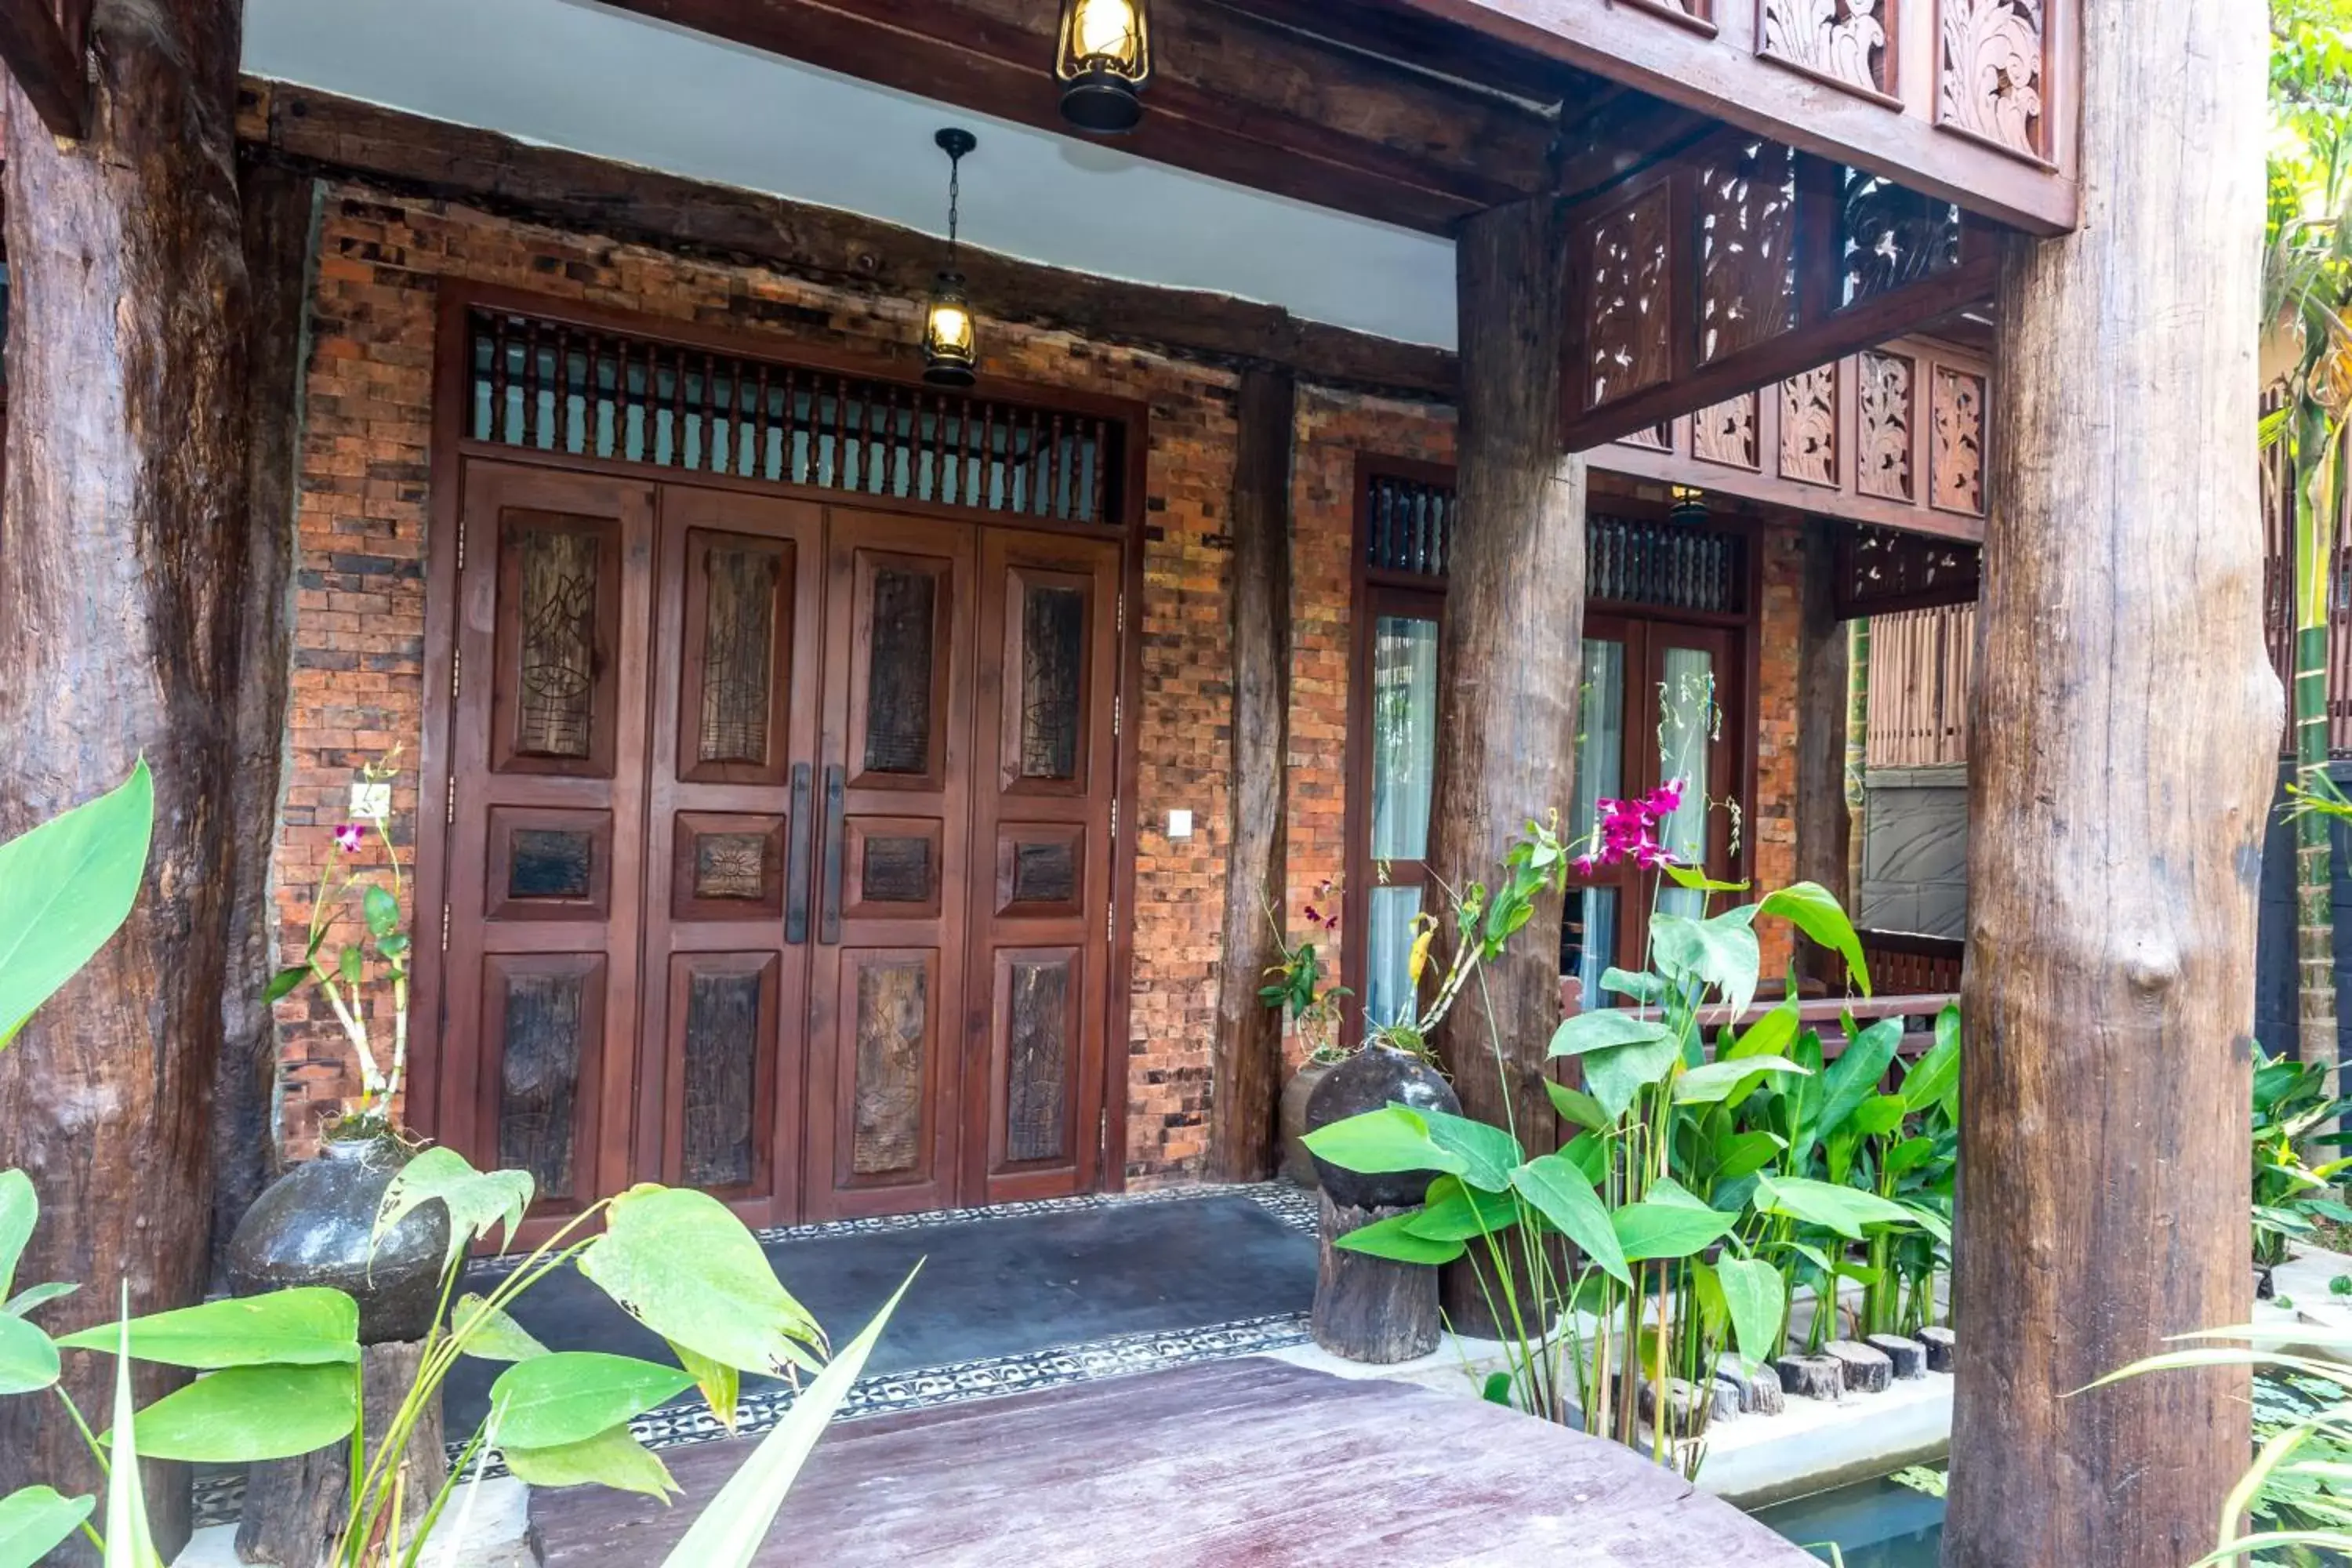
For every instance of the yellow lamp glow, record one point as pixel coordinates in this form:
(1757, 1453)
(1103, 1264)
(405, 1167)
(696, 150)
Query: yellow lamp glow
(951, 350)
(1103, 62)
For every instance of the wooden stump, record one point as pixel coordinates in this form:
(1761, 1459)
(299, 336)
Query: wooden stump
(1758, 1388)
(1369, 1309)
(1908, 1355)
(1940, 1348)
(1865, 1371)
(294, 1508)
(1812, 1376)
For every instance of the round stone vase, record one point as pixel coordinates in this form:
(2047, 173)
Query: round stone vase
(1375, 1077)
(1297, 1165)
(312, 1225)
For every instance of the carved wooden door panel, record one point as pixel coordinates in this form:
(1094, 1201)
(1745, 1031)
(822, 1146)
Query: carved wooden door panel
(546, 828)
(728, 857)
(1044, 768)
(887, 987)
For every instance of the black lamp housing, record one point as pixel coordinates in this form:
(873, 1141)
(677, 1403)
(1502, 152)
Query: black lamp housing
(1103, 62)
(1689, 507)
(951, 343)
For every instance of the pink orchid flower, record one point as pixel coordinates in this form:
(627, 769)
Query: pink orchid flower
(350, 837)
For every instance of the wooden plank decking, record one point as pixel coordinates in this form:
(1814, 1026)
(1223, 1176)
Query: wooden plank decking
(1238, 1462)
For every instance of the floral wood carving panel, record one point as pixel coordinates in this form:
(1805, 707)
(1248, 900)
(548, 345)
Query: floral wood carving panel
(1808, 447)
(1891, 236)
(1726, 433)
(1844, 40)
(1956, 478)
(1887, 421)
(1627, 340)
(1747, 240)
(1991, 82)
(1658, 438)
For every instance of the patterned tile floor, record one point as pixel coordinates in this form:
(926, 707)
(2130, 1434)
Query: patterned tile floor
(218, 1496)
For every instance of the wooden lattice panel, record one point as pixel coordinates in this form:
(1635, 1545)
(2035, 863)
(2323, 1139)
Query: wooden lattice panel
(1882, 569)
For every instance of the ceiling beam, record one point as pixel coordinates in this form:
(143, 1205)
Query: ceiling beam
(409, 154)
(44, 54)
(1235, 96)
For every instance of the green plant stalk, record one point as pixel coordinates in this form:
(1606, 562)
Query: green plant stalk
(2316, 439)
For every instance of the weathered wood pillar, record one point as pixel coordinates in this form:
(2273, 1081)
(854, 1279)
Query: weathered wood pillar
(1248, 1068)
(1508, 659)
(2125, 726)
(1825, 822)
(122, 563)
(280, 222)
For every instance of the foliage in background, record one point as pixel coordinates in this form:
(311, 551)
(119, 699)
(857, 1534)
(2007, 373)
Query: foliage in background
(65, 888)
(2291, 1197)
(1699, 1188)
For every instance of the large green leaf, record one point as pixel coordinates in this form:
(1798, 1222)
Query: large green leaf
(1556, 1189)
(28, 1360)
(1814, 909)
(1937, 1073)
(477, 1201)
(611, 1458)
(309, 1326)
(1381, 1142)
(247, 1413)
(568, 1397)
(722, 1385)
(1606, 1029)
(681, 1264)
(19, 1208)
(1615, 1075)
(128, 1543)
(1458, 1213)
(1747, 1154)
(1722, 951)
(1756, 1297)
(1394, 1239)
(1577, 1107)
(1878, 1115)
(1845, 1210)
(33, 1296)
(1668, 1230)
(1486, 1156)
(1854, 1076)
(731, 1531)
(1733, 1081)
(34, 1520)
(1770, 1036)
(65, 888)
(486, 1334)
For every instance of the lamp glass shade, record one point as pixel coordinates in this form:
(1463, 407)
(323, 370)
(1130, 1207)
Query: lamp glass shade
(951, 344)
(1103, 62)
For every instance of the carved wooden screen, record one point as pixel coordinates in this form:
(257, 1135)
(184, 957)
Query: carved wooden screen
(549, 386)
(1881, 570)
(1735, 266)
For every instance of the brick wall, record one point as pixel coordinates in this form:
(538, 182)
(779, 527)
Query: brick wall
(360, 615)
(1772, 822)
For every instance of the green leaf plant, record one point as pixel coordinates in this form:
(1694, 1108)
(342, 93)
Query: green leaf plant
(1716, 1160)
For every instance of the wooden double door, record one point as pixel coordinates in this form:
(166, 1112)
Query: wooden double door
(778, 852)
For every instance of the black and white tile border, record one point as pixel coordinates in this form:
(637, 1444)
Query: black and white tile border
(218, 1498)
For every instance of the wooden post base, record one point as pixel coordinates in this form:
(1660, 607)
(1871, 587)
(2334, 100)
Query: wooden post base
(1369, 1309)
(294, 1508)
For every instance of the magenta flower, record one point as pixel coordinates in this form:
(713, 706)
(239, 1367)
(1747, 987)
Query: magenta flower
(1628, 831)
(350, 837)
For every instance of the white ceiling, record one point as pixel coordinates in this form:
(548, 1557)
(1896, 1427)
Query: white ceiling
(572, 73)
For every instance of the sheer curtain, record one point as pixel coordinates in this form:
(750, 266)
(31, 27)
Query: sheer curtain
(1404, 762)
(1685, 730)
(1600, 774)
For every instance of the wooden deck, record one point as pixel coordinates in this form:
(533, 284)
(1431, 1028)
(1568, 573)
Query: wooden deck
(1238, 1462)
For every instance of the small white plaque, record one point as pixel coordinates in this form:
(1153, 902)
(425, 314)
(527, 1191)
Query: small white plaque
(371, 800)
(1180, 824)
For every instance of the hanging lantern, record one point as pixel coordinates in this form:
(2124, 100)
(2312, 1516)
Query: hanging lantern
(1689, 505)
(951, 347)
(1103, 61)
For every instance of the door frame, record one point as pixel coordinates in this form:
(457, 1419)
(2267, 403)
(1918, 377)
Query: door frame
(451, 449)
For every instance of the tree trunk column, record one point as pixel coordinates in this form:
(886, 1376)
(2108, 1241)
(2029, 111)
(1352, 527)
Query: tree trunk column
(123, 560)
(1824, 821)
(1248, 1076)
(2125, 726)
(1509, 661)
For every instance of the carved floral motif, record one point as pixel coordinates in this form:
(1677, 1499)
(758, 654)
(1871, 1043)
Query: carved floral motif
(1844, 40)
(1991, 78)
(1885, 460)
(1747, 236)
(1727, 433)
(1809, 427)
(1956, 474)
(1892, 236)
(1626, 332)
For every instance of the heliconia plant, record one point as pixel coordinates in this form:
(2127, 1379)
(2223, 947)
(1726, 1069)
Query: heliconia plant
(66, 887)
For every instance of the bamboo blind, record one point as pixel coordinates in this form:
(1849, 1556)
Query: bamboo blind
(1921, 662)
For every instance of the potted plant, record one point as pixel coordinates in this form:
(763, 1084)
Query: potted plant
(1296, 985)
(315, 1225)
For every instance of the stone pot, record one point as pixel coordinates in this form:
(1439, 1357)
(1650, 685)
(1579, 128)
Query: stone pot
(1297, 1164)
(1373, 1078)
(312, 1227)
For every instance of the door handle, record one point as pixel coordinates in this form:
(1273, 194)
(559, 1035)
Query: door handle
(796, 872)
(829, 926)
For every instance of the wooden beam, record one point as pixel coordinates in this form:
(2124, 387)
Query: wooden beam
(1247, 1073)
(2126, 726)
(322, 133)
(1824, 826)
(280, 219)
(1508, 657)
(1398, 32)
(47, 63)
(1232, 97)
(124, 552)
